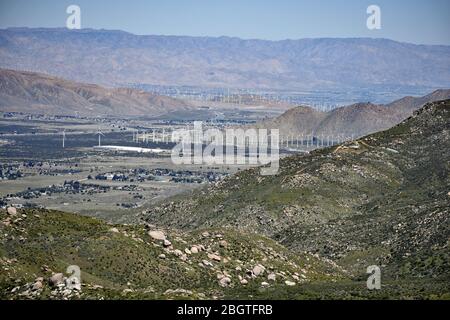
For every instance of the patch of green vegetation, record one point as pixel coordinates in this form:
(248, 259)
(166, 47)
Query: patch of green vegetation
(46, 242)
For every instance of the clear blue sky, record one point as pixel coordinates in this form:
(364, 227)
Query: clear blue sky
(416, 21)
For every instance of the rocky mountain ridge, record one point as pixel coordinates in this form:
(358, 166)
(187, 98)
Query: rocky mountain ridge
(34, 93)
(355, 120)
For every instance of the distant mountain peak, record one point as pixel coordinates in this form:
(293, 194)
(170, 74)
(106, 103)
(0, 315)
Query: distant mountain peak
(358, 119)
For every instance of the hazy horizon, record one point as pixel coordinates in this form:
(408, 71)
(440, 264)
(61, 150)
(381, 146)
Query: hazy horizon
(223, 36)
(417, 22)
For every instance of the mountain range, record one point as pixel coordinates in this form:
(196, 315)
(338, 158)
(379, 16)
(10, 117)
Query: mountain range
(117, 58)
(35, 93)
(358, 119)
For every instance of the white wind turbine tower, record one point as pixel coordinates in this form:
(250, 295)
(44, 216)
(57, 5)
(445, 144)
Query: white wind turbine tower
(99, 137)
(64, 138)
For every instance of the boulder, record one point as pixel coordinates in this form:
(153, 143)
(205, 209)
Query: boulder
(272, 277)
(207, 263)
(214, 257)
(258, 270)
(157, 235)
(37, 286)
(11, 211)
(225, 282)
(178, 252)
(289, 283)
(56, 279)
(194, 250)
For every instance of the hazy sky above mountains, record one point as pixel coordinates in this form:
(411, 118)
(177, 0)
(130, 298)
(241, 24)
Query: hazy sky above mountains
(416, 21)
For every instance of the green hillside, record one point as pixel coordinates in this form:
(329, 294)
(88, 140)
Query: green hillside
(383, 199)
(126, 262)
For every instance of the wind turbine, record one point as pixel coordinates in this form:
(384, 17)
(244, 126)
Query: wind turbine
(99, 137)
(164, 135)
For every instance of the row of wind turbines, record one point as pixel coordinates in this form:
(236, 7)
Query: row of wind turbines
(324, 140)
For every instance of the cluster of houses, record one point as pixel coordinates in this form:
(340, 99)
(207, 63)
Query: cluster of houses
(177, 176)
(10, 172)
(67, 187)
